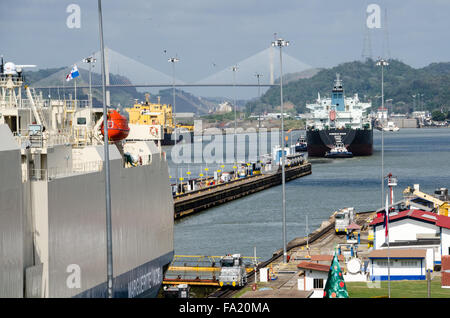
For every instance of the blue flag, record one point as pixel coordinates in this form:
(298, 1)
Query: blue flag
(73, 73)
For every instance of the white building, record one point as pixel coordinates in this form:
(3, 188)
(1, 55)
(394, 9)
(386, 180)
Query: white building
(224, 107)
(314, 277)
(405, 264)
(415, 229)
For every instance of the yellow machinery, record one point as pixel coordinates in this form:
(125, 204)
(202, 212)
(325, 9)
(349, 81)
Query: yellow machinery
(441, 207)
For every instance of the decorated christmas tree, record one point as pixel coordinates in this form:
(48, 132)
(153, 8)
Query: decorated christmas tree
(335, 286)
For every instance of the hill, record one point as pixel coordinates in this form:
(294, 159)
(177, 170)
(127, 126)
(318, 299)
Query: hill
(401, 82)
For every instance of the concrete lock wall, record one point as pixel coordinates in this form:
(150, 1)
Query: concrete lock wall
(405, 122)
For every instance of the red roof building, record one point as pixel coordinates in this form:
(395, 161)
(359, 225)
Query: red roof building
(415, 229)
(314, 266)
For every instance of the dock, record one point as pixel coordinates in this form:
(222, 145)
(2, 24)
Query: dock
(321, 241)
(199, 200)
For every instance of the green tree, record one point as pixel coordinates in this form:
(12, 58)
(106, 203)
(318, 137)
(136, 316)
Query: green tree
(437, 115)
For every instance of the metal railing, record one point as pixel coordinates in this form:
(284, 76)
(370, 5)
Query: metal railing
(59, 172)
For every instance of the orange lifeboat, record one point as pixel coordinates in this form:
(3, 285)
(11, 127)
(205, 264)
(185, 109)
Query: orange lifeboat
(117, 126)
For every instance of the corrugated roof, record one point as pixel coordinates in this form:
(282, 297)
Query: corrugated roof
(443, 221)
(438, 220)
(398, 253)
(314, 266)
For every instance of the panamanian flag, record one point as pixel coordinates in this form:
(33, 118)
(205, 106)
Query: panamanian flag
(386, 218)
(73, 73)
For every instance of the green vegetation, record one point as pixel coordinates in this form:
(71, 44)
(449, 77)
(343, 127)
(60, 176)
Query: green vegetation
(225, 117)
(438, 115)
(399, 289)
(400, 83)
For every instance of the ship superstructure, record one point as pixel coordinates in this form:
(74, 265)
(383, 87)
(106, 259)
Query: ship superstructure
(154, 121)
(52, 201)
(339, 120)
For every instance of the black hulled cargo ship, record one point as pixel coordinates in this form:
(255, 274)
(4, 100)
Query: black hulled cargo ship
(339, 120)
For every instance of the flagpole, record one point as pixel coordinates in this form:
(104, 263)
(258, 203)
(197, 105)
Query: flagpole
(388, 258)
(75, 84)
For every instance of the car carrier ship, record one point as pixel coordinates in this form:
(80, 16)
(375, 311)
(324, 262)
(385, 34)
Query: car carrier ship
(52, 199)
(339, 121)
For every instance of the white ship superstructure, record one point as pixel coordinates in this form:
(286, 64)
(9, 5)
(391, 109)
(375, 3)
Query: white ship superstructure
(338, 111)
(52, 201)
(339, 119)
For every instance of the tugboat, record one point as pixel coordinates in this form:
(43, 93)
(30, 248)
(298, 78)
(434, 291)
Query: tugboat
(339, 152)
(391, 127)
(301, 145)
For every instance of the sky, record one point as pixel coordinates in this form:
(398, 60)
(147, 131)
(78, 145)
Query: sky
(209, 36)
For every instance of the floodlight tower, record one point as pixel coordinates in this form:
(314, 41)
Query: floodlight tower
(381, 62)
(91, 61)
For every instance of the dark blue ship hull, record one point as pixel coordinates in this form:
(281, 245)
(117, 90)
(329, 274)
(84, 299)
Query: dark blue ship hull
(141, 282)
(357, 141)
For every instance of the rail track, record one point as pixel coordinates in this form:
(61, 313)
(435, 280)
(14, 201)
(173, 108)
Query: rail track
(315, 237)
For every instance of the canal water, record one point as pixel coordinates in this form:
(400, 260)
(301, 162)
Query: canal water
(413, 155)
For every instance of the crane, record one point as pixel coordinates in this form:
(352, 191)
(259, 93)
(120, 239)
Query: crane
(441, 207)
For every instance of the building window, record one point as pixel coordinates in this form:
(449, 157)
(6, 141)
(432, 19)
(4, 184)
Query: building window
(385, 263)
(408, 263)
(318, 282)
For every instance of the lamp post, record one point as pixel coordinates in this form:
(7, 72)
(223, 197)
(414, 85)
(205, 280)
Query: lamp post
(280, 43)
(259, 119)
(90, 60)
(109, 252)
(174, 60)
(234, 69)
(382, 63)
